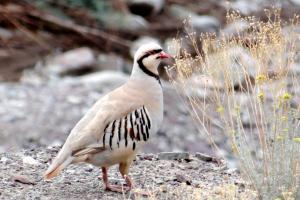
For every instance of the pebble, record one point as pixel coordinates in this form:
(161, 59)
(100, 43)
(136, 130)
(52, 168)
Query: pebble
(231, 170)
(183, 179)
(22, 179)
(4, 160)
(204, 157)
(70, 171)
(30, 161)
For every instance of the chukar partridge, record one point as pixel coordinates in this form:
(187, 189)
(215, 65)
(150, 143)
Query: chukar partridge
(118, 124)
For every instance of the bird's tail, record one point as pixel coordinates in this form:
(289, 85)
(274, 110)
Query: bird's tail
(63, 159)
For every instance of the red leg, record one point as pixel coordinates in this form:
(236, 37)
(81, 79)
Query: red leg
(105, 178)
(118, 188)
(114, 188)
(128, 181)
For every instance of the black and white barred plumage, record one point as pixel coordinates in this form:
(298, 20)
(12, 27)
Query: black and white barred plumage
(106, 136)
(128, 131)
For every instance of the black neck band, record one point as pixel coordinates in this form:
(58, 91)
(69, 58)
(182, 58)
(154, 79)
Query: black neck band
(144, 69)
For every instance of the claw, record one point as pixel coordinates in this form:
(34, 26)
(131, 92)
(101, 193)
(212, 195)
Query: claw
(122, 189)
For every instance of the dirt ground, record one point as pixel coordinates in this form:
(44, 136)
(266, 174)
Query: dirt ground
(191, 178)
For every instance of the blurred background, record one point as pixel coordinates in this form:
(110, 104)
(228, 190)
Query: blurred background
(57, 57)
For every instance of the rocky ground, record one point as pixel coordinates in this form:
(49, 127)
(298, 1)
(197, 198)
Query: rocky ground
(165, 176)
(52, 72)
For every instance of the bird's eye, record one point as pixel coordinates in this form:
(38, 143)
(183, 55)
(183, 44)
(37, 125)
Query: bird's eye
(152, 52)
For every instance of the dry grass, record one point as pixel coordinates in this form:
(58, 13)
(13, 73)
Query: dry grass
(250, 91)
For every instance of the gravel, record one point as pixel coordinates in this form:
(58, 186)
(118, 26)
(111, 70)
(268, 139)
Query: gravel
(165, 179)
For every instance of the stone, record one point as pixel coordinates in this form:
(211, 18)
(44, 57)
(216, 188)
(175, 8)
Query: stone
(55, 143)
(29, 160)
(231, 171)
(109, 62)
(199, 23)
(235, 28)
(204, 157)
(295, 68)
(173, 156)
(104, 79)
(244, 101)
(145, 7)
(72, 61)
(234, 62)
(181, 178)
(296, 2)
(22, 179)
(4, 160)
(126, 22)
(205, 23)
(204, 81)
(245, 7)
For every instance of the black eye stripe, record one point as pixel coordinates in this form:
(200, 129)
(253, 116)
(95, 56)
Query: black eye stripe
(149, 53)
(154, 52)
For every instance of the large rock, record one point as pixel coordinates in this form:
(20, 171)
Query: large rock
(235, 28)
(195, 25)
(201, 86)
(200, 23)
(104, 80)
(295, 68)
(145, 7)
(232, 66)
(110, 62)
(72, 61)
(245, 7)
(296, 2)
(127, 22)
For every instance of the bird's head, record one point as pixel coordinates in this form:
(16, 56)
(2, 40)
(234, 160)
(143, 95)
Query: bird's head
(149, 56)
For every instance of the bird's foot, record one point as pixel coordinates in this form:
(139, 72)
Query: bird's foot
(117, 188)
(124, 189)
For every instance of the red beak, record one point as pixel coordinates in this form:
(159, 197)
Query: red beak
(163, 55)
